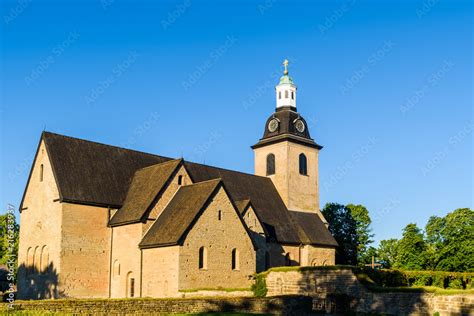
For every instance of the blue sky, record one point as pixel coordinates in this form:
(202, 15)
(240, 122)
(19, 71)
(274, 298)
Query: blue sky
(385, 85)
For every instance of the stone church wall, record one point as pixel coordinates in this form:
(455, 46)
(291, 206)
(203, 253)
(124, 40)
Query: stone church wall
(219, 237)
(85, 253)
(160, 272)
(40, 234)
(318, 256)
(125, 260)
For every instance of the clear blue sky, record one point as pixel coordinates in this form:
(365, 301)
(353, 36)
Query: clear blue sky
(385, 85)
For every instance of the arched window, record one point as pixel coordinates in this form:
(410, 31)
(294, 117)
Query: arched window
(279, 94)
(270, 164)
(292, 95)
(44, 258)
(303, 165)
(41, 172)
(29, 260)
(180, 180)
(235, 259)
(130, 284)
(219, 215)
(202, 258)
(286, 94)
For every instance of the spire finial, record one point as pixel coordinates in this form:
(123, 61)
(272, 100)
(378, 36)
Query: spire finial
(285, 63)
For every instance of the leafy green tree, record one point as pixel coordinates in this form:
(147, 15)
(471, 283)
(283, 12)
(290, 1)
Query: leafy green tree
(344, 229)
(450, 241)
(7, 246)
(387, 252)
(360, 214)
(411, 249)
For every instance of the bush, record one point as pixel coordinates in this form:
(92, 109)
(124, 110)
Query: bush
(259, 288)
(455, 284)
(441, 279)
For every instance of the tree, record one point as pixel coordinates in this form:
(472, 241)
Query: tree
(8, 246)
(411, 249)
(360, 214)
(387, 252)
(344, 229)
(450, 241)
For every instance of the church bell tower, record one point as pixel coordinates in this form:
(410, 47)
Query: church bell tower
(287, 154)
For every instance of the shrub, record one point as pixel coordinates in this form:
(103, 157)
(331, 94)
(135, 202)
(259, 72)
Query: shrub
(259, 288)
(455, 284)
(441, 279)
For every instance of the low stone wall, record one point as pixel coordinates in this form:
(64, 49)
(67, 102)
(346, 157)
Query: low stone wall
(277, 305)
(339, 291)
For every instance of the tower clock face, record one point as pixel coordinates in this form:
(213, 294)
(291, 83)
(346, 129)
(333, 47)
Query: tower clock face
(273, 125)
(300, 126)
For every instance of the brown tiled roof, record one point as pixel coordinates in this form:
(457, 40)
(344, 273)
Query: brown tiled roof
(260, 191)
(147, 185)
(180, 214)
(242, 205)
(93, 173)
(313, 229)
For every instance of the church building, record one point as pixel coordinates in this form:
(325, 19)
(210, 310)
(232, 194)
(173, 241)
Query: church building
(99, 221)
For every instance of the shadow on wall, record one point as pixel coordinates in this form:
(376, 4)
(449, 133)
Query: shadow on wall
(270, 254)
(34, 283)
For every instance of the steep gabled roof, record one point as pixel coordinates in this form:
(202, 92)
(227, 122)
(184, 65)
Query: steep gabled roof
(92, 173)
(146, 186)
(313, 229)
(180, 214)
(266, 200)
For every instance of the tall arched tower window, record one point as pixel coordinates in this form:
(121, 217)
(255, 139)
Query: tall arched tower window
(303, 165)
(270, 164)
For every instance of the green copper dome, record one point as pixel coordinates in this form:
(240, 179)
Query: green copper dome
(285, 79)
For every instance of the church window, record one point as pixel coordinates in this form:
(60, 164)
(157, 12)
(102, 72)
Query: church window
(41, 172)
(219, 215)
(235, 259)
(286, 94)
(270, 164)
(303, 165)
(132, 287)
(180, 180)
(279, 94)
(292, 95)
(202, 258)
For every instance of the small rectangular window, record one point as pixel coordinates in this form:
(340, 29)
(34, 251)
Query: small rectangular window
(41, 172)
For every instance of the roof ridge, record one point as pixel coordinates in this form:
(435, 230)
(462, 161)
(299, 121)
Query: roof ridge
(103, 144)
(225, 169)
(202, 182)
(160, 164)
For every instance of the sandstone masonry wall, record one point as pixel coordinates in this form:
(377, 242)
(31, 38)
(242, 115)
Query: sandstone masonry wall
(339, 291)
(219, 237)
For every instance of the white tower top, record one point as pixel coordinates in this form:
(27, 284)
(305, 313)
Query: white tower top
(286, 90)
